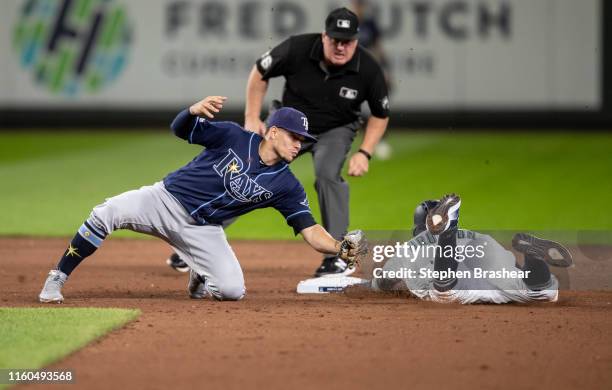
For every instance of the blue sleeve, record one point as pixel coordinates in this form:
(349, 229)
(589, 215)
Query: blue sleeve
(201, 131)
(294, 207)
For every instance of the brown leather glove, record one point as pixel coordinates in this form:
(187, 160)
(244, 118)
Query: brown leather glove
(353, 247)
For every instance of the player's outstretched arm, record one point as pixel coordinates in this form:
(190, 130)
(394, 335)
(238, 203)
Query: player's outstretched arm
(353, 246)
(320, 240)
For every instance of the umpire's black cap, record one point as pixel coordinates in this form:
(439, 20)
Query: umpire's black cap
(342, 23)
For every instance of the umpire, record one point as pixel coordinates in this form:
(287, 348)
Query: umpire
(327, 76)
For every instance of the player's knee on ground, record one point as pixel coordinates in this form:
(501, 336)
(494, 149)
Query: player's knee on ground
(228, 291)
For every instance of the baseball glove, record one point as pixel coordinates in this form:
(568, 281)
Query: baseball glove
(353, 248)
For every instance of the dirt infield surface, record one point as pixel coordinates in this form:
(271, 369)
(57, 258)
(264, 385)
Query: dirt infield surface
(275, 338)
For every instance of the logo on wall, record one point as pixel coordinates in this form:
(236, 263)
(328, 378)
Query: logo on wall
(72, 46)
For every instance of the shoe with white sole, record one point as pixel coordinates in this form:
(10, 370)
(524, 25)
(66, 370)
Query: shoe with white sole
(52, 290)
(552, 252)
(176, 263)
(333, 266)
(444, 215)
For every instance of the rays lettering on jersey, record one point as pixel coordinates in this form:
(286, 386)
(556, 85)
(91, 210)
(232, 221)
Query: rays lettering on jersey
(239, 185)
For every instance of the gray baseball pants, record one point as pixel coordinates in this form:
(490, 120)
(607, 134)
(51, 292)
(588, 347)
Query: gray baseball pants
(154, 211)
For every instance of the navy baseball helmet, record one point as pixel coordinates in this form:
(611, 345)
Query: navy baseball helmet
(291, 120)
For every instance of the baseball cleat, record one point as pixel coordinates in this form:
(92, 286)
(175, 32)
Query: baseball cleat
(52, 290)
(196, 287)
(445, 214)
(333, 266)
(176, 263)
(552, 252)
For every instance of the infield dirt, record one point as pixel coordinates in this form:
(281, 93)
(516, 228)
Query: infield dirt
(276, 338)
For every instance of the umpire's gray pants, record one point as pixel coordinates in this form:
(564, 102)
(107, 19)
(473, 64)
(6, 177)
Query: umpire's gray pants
(153, 210)
(329, 154)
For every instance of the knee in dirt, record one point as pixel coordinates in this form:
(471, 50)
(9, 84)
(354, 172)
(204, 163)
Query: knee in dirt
(228, 291)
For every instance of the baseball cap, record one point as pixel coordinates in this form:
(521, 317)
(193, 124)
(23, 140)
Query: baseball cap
(291, 120)
(342, 23)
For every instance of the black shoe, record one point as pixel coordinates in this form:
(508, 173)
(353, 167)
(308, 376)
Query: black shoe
(333, 266)
(196, 286)
(176, 263)
(552, 252)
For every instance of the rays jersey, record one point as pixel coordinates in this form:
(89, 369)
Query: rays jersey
(228, 178)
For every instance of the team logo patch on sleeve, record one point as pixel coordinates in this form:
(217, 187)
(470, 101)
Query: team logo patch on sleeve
(266, 60)
(385, 103)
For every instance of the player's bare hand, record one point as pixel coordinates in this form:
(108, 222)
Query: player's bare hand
(358, 165)
(208, 106)
(255, 125)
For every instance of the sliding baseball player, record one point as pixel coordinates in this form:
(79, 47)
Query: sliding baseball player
(443, 263)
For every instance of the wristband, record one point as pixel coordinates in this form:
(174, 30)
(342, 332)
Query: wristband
(368, 155)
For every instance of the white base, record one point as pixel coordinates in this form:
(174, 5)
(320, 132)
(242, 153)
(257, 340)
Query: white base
(327, 284)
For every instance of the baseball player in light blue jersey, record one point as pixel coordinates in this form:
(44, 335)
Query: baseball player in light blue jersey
(237, 172)
(470, 267)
